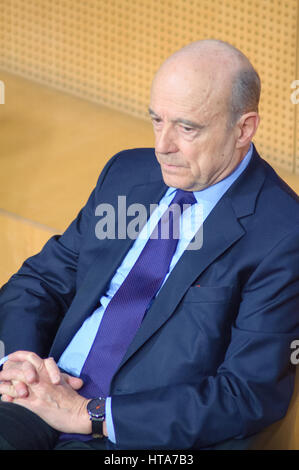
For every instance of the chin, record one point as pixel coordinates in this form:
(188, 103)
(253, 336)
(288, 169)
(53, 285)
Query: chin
(175, 182)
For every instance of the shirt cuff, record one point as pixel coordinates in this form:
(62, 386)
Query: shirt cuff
(109, 421)
(4, 359)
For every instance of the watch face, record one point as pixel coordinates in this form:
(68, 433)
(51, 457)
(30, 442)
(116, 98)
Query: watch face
(96, 407)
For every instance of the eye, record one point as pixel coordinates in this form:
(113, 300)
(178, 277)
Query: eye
(156, 121)
(187, 129)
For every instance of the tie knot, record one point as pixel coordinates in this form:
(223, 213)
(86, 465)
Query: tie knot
(184, 197)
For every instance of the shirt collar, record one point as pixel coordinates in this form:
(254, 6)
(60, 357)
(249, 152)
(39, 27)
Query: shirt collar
(215, 191)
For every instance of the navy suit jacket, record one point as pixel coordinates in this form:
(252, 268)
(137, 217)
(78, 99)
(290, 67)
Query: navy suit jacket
(211, 360)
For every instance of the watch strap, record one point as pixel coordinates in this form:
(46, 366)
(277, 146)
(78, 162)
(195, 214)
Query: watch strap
(97, 428)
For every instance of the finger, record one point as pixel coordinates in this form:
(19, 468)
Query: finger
(8, 389)
(30, 372)
(53, 370)
(14, 388)
(19, 371)
(6, 398)
(12, 373)
(21, 389)
(21, 356)
(74, 382)
(32, 364)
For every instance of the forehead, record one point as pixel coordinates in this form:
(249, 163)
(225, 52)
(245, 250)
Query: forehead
(189, 92)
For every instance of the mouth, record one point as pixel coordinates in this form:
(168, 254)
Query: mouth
(171, 167)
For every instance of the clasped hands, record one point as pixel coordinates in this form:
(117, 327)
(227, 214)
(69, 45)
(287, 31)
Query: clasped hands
(39, 385)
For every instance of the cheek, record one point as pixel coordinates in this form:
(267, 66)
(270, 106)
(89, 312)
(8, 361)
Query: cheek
(202, 157)
(198, 158)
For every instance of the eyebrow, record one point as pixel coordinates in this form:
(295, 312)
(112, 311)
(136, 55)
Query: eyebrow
(186, 122)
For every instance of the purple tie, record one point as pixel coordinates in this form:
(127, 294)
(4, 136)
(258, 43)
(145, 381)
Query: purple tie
(126, 309)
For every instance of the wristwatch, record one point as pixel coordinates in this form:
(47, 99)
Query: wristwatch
(96, 411)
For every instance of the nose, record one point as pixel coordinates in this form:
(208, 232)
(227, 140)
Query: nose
(165, 140)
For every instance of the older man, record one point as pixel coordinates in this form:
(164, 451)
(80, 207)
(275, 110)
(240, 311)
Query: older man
(160, 343)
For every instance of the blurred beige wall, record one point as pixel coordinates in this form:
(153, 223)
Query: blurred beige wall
(107, 52)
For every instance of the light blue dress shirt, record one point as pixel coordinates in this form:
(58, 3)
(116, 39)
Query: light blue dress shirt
(74, 356)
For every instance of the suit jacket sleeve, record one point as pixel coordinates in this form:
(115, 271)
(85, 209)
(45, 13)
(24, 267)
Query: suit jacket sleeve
(253, 385)
(35, 299)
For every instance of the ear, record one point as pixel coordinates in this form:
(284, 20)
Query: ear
(246, 128)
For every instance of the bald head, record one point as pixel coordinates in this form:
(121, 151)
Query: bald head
(224, 67)
(203, 107)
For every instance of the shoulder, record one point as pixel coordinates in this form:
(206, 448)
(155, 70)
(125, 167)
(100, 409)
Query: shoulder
(267, 208)
(278, 199)
(142, 159)
(275, 218)
(134, 163)
(129, 168)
